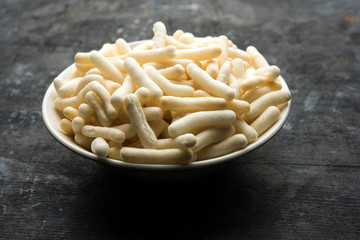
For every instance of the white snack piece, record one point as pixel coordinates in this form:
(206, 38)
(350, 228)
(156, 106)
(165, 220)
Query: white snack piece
(173, 99)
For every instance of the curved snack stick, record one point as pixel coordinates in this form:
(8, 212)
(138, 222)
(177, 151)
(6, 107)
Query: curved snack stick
(238, 68)
(84, 68)
(83, 141)
(238, 106)
(257, 58)
(65, 125)
(212, 135)
(252, 82)
(224, 72)
(77, 124)
(166, 86)
(187, 38)
(266, 120)
(158, 126)
(159, 30)
(68, 89)
(85, 113)
(212, 68)
(117, 98)
(201, 119)
(96, 105)
(153, 113)
(208, 83)
(172, 41)
(70, 113)
(272, 98)
(114, 153)
(104, 97)
(108, 50)
(138, 120)
(229, 145)
(86, 80)
(61, 103)
(234, 84)
(122, 46)
(199, 54)
(201, 93)
(223, 42)
(169, 63)
(142, 94)
(173, 72)
(118, 63)
(191, 104)
(178, 33)
(140, 78)
(105, 66)
(242, 127)
(127, 129)
(100, 147)
(153, 55)
(254, 94)
(238, 53)
(82, 58)
(112, 134)
(183, 141)
(270, 73)
(66, 76)
(156, 156)
(274, 85)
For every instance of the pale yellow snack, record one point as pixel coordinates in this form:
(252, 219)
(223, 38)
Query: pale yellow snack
(105, 66)
(156, 156)
(199, 54)
(266, 120)
(209, 84)
(190, 104)
(159, 38)
(100, 147)
(201, 119)
(153, 55)
(229, 145)
(138, 120)
(108, 133)
(224, 72)
(98, 108)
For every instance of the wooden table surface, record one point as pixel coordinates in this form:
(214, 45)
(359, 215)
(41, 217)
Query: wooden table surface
(303, 184)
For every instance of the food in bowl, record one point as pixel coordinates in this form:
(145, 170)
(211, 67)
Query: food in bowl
(169, 100)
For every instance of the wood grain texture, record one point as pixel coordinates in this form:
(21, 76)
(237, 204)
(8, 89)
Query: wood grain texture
(303, 184)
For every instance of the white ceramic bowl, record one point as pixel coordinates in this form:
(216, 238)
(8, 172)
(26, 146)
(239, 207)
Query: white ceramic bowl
(152, 171)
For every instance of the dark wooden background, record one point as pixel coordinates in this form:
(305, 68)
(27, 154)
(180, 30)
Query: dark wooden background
(303, 184)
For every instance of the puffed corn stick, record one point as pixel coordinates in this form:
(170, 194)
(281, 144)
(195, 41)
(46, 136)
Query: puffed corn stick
(238, 53)
(117, 98)
(98, 108)
(242, 127)
(183, 141)
(138, 120)
(230, 144)
(212, 68)
(70, 113)
(187, 38)
(159, 38)
(153, 55)
(105, 66)
(166, 86)
(224, 72)
(272, 98)
(223, 42)
(266, 120)
(61, 103)
(156, 156)
(201, 119)
(190, 104)
(100, 147)
(212, 135)
(199, 54)
(104, 97)
(209, 84)
(65, 125)
(112, 134)
(140, 78)
(122, 47)
(173, 72)
(256, 57)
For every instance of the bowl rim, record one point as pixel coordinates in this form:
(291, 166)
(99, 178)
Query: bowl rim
(53, 128)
